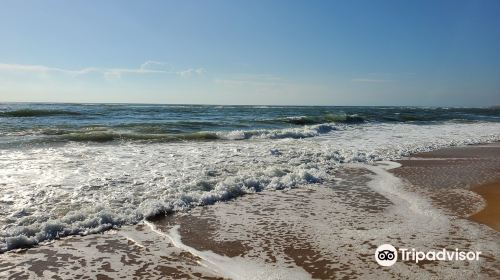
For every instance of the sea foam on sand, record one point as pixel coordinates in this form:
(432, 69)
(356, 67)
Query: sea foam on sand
(80, 188)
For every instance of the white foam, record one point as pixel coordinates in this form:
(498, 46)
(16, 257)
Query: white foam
(342, 226)
(86, 188)
(414, 208)
(233, 268)
(306, 131)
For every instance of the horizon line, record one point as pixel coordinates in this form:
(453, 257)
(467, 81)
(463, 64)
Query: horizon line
(242, 105)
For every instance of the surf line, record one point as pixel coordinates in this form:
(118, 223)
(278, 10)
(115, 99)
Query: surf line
(135, 242)
(391, 187)
(174, 237)
(232, 268)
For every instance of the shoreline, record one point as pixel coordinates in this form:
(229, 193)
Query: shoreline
(329, 230)
(474, 168)
(490, 214)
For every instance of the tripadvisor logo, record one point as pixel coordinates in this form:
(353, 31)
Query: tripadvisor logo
(387, 255)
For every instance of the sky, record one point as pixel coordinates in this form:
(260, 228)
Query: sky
(416, 53)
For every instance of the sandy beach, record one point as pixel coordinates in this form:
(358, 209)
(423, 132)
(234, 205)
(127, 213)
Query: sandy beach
(249, 140)
(442, 174)
(490, 215)
(303, 233)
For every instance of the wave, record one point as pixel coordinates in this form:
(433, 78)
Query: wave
(74, 223)
(292, 133)
(103, 134)
(328, 118)
(125, 184)
(396, 115)
(97, 219)
(107, 136)
(37, 113)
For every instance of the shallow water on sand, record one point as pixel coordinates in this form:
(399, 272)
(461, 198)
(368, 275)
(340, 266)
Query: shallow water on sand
(320, 231)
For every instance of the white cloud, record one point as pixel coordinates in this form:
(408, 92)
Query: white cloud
(191, 72)
(148, 67)
(155, 65)
(41, 69)
(371, 80)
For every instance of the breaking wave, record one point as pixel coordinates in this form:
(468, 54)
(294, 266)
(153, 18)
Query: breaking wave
(111, 166)
(105, 134)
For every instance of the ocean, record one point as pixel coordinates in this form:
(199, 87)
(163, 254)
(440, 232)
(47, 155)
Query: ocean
(78, 169)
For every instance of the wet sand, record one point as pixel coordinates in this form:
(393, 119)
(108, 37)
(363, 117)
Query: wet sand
(490, 215)
(443, 175)
(327, 231)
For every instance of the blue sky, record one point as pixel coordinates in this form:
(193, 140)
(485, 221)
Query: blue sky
(429, 53)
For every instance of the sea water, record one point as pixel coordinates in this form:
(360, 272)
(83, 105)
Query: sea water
(69, 169)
